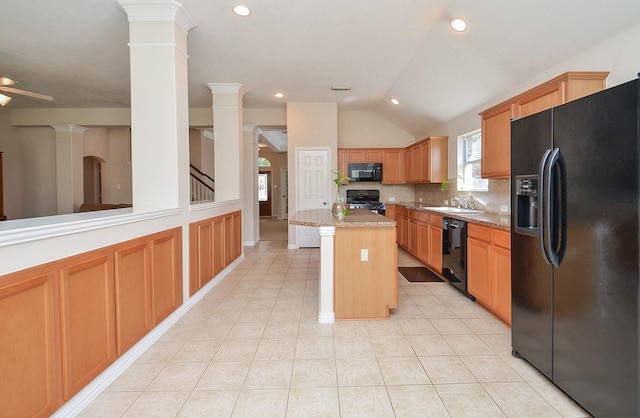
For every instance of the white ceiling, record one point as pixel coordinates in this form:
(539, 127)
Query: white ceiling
(76, 51)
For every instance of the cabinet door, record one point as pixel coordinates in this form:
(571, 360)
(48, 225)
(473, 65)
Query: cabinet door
(374, 155)
(413, 237)
(438, 168)
(435, 248)
(133, 295)
(358, 155)
(423, 242)
(87, 320)
(237, 235)
(403, 231)
(541, 100)
(501, 277)
(29, 344)
(496, 143)
(478, 270)
(390, 212)
(416, 164)
(393, 166)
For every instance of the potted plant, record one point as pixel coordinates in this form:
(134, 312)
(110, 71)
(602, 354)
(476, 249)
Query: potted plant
(339, 209)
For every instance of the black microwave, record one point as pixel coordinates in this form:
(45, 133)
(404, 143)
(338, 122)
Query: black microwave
(365, 171)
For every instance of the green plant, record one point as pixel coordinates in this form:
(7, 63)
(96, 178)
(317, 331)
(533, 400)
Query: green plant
(340, 177)
(444, 185)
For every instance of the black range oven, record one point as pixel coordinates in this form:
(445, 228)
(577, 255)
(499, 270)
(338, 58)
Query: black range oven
(366, 199)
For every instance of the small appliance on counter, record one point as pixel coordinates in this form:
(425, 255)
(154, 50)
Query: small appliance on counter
(366, 199)
(365, 171)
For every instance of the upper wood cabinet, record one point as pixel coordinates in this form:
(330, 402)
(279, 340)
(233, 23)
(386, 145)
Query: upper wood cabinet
(496, 121)
(393, 171)
(427, 160)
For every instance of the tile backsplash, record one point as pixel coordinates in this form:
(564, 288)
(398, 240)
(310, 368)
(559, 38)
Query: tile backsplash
(491, 201)
(431, 194)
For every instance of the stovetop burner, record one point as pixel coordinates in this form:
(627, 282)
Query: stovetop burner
(365, 199)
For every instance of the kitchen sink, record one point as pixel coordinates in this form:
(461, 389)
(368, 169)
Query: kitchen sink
(449, 209)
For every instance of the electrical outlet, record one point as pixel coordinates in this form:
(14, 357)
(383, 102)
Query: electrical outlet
(392, 199)
(364, 254)
(420, 199)
(446, 202)
(504, 208)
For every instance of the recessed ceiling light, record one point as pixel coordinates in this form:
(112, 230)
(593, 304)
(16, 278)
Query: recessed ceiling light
(279, 94)
(241, 10)
(395, 101)
(458, 25)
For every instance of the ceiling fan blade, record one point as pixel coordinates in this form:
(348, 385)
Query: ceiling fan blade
(5, 81)
(26, 93)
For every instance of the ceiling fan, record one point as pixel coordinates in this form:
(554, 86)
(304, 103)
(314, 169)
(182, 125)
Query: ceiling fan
(4, 99)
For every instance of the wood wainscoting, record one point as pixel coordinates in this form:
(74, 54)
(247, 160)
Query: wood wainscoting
(214, 243)
(66, 321)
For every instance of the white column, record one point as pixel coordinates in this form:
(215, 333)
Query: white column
(227, 134)
(159, 103)
(326, 315)
(250, 205)
(69, 168)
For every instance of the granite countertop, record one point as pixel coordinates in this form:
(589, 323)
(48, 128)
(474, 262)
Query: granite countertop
(357, 218)
(494, 220)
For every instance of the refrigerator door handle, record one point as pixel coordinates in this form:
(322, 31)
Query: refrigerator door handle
(556, 231)
(543, 206)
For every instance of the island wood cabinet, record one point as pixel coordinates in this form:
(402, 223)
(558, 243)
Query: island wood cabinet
(496, 121)
(489, 268)
(64, 322)
(365, 289)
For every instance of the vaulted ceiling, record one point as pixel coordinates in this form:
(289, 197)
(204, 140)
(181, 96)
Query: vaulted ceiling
(76, 51)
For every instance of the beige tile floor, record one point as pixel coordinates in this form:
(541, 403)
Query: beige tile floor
(252, 347)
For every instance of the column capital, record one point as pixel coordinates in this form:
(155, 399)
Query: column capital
(157, 10)
(65, 127)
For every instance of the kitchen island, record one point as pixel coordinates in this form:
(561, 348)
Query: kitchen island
(358, 264)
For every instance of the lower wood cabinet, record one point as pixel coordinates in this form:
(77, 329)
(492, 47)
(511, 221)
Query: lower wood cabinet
(420, 234)
(64, 322)
(489, 268)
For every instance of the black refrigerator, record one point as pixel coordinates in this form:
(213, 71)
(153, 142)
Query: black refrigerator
(574, 255)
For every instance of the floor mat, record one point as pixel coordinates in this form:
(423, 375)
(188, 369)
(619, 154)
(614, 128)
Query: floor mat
(419, 274)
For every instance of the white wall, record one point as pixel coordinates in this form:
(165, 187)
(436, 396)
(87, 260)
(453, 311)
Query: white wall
(365, 129)
(118, 183)
(37, 172)
(309, 125)
(618, 55)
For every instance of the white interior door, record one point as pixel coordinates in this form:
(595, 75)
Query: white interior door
(312, 190)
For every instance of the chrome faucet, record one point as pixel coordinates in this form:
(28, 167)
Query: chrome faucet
(462, 203)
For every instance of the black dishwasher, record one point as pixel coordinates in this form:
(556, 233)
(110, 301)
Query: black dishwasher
(454, 253)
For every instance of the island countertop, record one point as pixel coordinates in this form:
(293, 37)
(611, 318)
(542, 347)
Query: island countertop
(357, 218)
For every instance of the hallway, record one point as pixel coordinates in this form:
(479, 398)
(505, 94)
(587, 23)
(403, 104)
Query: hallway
(253, 347)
